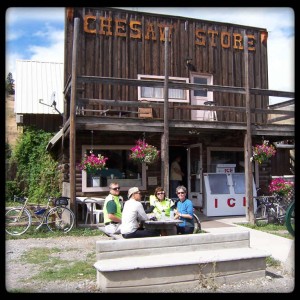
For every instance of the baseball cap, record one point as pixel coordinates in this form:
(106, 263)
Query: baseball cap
(132, 191)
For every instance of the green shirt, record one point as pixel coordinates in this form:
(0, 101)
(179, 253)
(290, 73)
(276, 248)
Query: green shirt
(112, 205)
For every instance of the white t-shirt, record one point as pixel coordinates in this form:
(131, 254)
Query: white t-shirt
(175, 171)
(133, 213)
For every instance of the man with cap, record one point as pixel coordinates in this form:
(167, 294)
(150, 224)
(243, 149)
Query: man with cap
(132, 216)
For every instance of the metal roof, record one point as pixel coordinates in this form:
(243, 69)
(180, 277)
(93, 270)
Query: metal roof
(37, 80)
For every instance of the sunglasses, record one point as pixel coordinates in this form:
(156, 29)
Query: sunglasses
(180, 193)
(115, 189)
(161, 193)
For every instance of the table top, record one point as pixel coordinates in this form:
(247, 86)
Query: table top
(163, 222)
(90, 200)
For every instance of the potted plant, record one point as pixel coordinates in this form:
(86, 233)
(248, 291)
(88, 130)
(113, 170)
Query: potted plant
(280, 187)
(263, 152)
(92, 163)
(144, 153)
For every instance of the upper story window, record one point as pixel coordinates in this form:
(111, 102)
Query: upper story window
(157, 93)
(202, 94)
(119, 168)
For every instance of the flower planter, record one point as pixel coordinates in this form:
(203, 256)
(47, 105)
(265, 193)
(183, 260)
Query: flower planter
(96, 181)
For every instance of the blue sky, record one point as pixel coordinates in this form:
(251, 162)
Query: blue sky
(37, 33)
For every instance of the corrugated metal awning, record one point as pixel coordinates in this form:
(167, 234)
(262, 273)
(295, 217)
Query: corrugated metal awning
(54, 140)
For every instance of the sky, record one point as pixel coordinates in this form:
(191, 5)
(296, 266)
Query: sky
(37, 33)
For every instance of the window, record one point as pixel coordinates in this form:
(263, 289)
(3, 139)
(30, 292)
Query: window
(119, 168)
(218, 184)
(202, 94)
(229, 155)
(157, 93)
(225, 155)
(202, 97)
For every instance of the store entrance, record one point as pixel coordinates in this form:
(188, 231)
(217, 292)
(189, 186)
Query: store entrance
(173, 153)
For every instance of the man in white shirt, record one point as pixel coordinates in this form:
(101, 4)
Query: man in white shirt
(133, 215)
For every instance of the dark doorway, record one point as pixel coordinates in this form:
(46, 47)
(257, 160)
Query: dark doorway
(182, 151)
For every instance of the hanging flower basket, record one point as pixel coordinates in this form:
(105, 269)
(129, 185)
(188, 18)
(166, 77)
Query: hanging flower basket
(279, 186)
(263, 152)
(144, 153)
(92, 163)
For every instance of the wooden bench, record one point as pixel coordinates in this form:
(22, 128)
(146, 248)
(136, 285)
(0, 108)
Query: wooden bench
(158, 263)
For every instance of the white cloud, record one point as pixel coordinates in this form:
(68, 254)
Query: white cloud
(55, 53)
(17, 14)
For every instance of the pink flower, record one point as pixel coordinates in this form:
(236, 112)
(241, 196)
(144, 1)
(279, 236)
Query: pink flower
(280, 186)
(263, 152)
(143, 152)
(92, 163)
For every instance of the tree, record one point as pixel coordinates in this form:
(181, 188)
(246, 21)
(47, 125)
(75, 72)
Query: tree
(9, 84)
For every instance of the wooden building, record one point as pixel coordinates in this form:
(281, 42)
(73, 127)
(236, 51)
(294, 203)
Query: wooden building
(180, 84)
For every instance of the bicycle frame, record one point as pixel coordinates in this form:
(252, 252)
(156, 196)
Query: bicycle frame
(57, 218)
(271, 211)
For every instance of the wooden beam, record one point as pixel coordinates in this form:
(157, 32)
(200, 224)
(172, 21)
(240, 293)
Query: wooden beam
(165, 136)
(184, 86)
(73, 121)
(248, 140)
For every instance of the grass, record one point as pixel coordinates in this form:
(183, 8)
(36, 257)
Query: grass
(271, 262)
(275, 229)
(43, 232)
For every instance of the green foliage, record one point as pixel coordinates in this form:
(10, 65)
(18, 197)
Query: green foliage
(43, 232)
(55, 268)
(9, 84)
(37, 175)
(275, 229)
(271, 262)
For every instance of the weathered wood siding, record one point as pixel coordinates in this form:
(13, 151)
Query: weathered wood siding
(123, 44)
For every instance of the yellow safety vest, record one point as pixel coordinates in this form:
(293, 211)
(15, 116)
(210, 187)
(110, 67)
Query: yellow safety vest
(159, 206)
(119, 207)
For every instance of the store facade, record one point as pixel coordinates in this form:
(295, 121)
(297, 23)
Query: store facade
(115, 80)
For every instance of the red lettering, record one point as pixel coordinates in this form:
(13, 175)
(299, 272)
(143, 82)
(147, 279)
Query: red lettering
(216, 203)
(244, 201)
(231, 202)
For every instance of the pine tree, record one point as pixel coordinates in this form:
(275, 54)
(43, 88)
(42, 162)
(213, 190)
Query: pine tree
(9, 85)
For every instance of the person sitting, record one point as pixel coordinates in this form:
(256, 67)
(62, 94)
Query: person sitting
(159, 203)
(112, 209)
(184, 212)
(133, 215)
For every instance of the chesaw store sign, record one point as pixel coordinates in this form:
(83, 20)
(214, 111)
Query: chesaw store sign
(108, 26)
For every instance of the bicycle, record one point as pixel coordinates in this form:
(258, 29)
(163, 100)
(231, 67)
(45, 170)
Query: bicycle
(270, 209)
(57, 218)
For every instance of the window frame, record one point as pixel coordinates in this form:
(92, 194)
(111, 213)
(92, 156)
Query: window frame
(186, 99)
(84, 186)
(210, 79)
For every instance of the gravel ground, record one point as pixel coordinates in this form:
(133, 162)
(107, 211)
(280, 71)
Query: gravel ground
(18, 273)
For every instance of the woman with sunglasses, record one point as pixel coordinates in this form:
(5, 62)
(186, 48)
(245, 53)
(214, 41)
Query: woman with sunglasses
(184, 212)
(159, 203)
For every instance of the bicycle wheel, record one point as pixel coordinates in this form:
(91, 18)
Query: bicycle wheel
(281, 213)
(17, 221)
(60, 218)
(197, 224)
(261, 213)
(290, 219)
